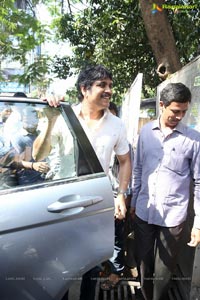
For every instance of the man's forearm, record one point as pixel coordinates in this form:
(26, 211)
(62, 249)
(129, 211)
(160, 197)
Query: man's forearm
(124, 174)
(41, 148)
(42, 144)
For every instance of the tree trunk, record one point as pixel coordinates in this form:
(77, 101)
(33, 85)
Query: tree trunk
(160, 36)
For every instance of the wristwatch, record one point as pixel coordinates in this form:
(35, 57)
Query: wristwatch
(121, 192)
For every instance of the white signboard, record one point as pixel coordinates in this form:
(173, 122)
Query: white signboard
(131, 109)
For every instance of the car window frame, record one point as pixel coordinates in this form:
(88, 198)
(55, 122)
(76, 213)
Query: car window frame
(82, 138)
(79, 136)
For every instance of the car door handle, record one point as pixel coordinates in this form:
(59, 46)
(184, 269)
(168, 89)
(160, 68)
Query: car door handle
(73, 201)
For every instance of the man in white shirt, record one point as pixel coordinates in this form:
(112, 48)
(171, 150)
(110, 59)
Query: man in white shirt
(105, 131)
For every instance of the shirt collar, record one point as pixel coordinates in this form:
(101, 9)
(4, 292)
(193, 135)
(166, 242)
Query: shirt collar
(77, 110)
(180, 126)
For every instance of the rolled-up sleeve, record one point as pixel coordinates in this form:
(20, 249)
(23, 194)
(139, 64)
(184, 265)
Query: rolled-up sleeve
(195, 168)
(137, 173)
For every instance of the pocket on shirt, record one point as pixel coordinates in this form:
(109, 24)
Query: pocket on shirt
(177, 163)
(172, 201)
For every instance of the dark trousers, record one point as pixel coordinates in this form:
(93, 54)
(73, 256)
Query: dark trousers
(88, 284)
(117, 260)
(157, 248)
(66, 296)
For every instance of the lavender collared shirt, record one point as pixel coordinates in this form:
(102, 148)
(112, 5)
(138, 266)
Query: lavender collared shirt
(164, 167)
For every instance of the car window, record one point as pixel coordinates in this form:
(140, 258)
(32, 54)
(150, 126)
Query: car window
(24, 159)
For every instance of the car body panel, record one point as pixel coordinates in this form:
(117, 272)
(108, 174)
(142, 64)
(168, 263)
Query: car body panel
(53, 232)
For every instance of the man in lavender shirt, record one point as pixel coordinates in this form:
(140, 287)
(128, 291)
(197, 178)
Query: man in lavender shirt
(167, 160)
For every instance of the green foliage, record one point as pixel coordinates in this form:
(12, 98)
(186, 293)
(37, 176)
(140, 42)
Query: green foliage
(71, 96)
(20, 32)
(35, 71)
(106, 33)
(186, 28)
(109, 32)
(62, 67)
(112, 33)
(38, 74)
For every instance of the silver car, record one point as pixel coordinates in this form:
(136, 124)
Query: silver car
(54, 225)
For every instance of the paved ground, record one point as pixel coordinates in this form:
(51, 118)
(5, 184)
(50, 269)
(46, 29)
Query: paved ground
(125, 291)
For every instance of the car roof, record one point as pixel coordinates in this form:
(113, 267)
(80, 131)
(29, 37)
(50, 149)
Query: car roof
(20, 99)
(27, 100)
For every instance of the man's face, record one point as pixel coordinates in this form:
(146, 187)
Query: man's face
(99, 94)
(173, 114)
(5, 114)
(30, 121)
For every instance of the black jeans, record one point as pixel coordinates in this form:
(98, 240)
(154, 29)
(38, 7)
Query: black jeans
(117, 260)
(157, 248)
(88, 284)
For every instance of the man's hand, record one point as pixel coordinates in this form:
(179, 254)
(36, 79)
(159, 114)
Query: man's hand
(195, 237)
(51, 113)
(54, 100)
(132, 212)
(41, 167)
(120, 207)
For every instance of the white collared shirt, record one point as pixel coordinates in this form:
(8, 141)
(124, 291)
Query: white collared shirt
(108, 135)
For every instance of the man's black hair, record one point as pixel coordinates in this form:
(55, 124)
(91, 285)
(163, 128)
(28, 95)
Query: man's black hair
(175, 92)
(20, 94)
(113, 106)
(89, 75)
